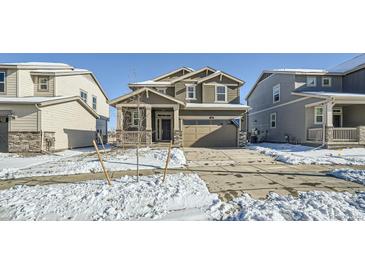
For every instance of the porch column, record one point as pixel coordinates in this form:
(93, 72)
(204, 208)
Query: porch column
(119, 118)
(148, 118)
(177, 129)
(328, 121)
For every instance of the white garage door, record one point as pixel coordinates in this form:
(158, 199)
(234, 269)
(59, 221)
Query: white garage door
(209, 133)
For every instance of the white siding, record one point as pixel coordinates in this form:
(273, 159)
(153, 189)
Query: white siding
(71, 86)
(26, 85)
(73, 125)
(10, 83)
(25, 117)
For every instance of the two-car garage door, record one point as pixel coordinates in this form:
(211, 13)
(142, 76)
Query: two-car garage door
(209, 133)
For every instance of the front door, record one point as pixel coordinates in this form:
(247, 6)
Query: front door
(3, 134)
(337, 120)
(166, 129)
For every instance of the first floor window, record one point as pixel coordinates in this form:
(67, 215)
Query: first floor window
(318, 115)
(311, 81)
(221, 94)
(276, 93)
(2, 81)
(273, 120)
(190, 92)
(83, 95)
(94, 102)
(135, 119)
(43, 84)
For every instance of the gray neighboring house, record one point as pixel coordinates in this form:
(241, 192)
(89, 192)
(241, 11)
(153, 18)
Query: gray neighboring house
(315, 107)
(198, 108)
(49, 106)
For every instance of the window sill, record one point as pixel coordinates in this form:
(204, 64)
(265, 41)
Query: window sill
(221, 102)
(191, 99)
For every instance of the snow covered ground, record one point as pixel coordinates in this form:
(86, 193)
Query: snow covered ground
(181, 197)
(126, 199)
(353, 175)
(298, 154)
(85, 161)
(309, 206)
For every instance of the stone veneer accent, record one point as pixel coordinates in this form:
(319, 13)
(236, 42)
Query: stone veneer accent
(146, 139)
(242, 138)
(178, 138)
(329, 134)
(361, 132)
(30, 141)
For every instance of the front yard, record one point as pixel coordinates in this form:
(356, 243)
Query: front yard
(183, 196)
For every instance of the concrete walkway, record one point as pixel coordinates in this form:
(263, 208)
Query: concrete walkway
(231, 172)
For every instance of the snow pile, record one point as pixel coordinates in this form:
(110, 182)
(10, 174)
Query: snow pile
(309, 206)
(298, 154)
(95, 200)
(353, 175)
(117, 160)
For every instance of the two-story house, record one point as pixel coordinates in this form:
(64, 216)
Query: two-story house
(315, 107)
(190, 107)
(49, 106)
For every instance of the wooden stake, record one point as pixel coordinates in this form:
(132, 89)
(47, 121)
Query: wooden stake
(167, 162)
(102, 163)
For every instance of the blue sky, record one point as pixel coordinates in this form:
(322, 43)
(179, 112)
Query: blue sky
(115, 71)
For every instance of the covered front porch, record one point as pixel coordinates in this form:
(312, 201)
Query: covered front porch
(336, 123)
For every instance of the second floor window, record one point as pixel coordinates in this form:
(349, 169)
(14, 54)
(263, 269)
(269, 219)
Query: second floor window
(190, 92)
(326, 82)
(162, 90)
(43, 83)
(276, 94)
(221, 94)
(311, 81)
(94, 102)
(83, 96)
(2, 81)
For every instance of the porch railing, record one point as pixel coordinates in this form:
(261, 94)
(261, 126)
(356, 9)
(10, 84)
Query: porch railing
(340, 134)
(315, 134)
(345, 134)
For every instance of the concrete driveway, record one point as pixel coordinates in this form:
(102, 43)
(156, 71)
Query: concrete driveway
(231, 172)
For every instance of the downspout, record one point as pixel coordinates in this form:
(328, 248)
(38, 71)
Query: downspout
(39, 124)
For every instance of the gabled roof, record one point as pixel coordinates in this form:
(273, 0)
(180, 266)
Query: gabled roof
(138, 91)
(218, 73)
(37, 65)
(173, 72)
(355, 63)
(331, 95)
(192, 74)
(150, 83)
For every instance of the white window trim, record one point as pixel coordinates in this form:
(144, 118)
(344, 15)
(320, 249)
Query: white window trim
(96, 102)
(40, 84)
(329, 80)
(225, 94)
(83, 91)
(271, 120)
(3, 72)
(315, 81)
(276, 90)
(315, 116)
(162, 89)
(134, 119)
(187, 92)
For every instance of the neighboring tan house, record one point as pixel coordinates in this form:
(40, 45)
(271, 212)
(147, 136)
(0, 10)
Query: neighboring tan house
(191, 107)
(316, 107)
(49, 106)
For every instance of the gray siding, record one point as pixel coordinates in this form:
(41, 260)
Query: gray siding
(301, 84)
(354, 82)
(353, 115)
